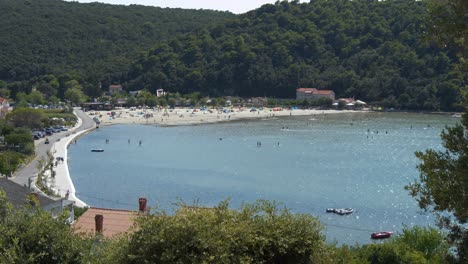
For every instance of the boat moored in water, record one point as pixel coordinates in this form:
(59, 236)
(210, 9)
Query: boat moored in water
(344, 211)
(340, 211)
(381, 235)
(97, 150)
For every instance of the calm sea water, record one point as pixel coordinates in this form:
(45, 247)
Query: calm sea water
(307, 163)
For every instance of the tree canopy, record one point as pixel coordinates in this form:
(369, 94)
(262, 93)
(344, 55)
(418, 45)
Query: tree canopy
(30, 235)
(443, 182)
(41, 37)
(369, 50)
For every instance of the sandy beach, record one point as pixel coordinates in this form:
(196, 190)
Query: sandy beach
(192, 116)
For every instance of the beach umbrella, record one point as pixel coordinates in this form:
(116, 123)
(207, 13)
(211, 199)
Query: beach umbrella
(360, 102)
(350, 104)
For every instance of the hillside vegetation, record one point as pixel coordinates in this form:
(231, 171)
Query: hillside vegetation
(369, 50)
(41, 37)
(364, 49)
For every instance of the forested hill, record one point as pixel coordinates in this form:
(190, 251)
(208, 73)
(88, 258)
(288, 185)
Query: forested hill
(371, 50)
(52, 36)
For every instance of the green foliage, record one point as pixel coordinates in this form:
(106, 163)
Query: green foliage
(257, 233)
(363, 49)
(324, 102)
(443, 183)
(92, 40)
(131, 101)
(36, 98)
(414, 245)
(54, 100)
(5, 93)
(428, 241)
(9, 162)
(171, 102)
(162, 101)
(75, 96)
(369, 50)
(5, 206)
(79, 211)
(381, 254)
(27, 237)
(446, 25)
(70, 118)
(20, 142)
(26, 117)
(152, 101)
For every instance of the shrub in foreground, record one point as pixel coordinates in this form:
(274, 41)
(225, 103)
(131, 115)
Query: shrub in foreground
(257, 233)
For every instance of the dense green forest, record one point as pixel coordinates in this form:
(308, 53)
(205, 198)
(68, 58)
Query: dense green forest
(369, 50)
(364, 49)
(39, 37)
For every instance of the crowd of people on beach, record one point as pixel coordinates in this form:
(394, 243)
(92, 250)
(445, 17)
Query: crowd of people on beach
(182, 116)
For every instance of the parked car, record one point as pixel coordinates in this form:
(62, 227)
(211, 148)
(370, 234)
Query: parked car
(38, 134)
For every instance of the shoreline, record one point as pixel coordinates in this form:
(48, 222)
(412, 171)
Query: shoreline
(189, 116)
(62, 183)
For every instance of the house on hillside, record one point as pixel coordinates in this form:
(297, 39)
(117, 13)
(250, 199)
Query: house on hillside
(115, 89)
(160, 93)
(313, 94)
(21, 196)
(4, 107)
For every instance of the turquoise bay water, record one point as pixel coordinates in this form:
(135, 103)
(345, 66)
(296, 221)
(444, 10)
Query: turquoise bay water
(307, 163)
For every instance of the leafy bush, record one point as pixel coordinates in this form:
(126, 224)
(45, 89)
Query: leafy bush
(257, 233)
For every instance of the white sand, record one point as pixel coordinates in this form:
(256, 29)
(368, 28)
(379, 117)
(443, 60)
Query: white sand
(189, 116)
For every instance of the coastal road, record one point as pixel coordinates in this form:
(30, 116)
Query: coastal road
(30, 170)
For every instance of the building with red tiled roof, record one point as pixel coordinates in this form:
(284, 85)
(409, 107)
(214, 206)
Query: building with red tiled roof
(313, 94)
(115, 89)
(112, 223)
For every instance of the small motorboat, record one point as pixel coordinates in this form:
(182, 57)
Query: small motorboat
(344, 211)
(381, 235)
(97, 150)
(340, 211)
